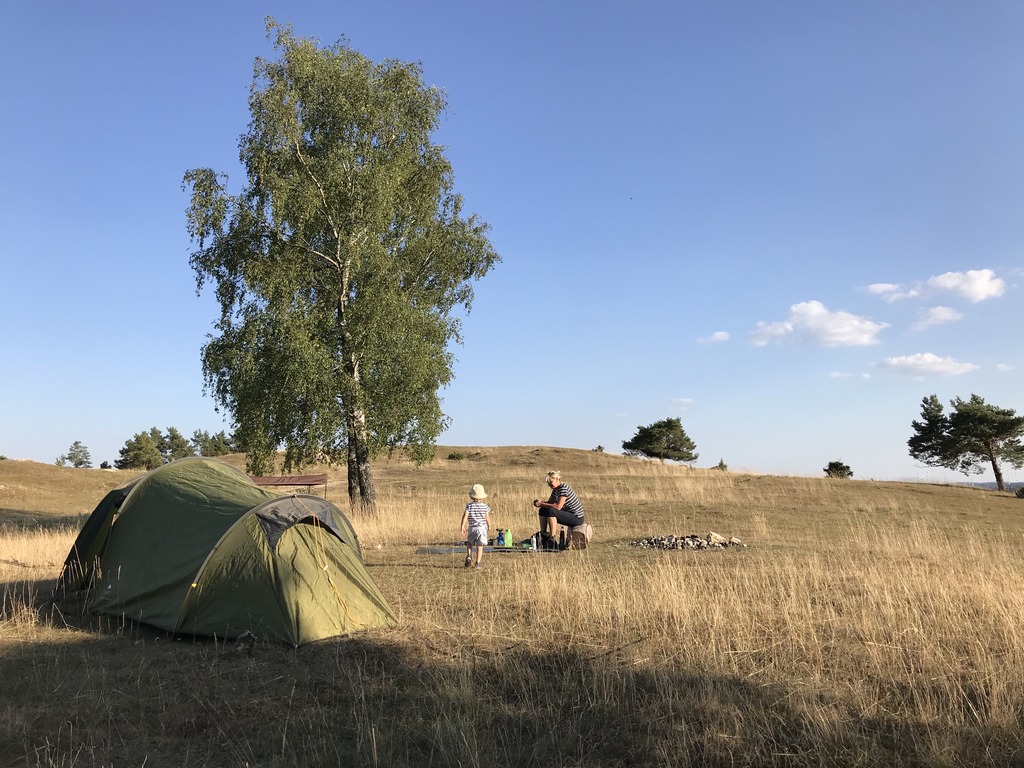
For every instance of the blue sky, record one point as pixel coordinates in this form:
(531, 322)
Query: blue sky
(785, 223)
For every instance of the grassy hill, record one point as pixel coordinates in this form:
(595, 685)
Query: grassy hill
(865, 623)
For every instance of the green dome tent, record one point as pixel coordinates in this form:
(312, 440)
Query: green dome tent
(196, 547)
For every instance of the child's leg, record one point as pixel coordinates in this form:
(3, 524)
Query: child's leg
(479, 554)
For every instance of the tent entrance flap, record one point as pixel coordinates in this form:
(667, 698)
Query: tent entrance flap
(79, 566)
(279, 515)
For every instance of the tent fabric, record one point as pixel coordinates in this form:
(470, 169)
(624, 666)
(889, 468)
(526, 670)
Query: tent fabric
(77, 570)
(196, 547)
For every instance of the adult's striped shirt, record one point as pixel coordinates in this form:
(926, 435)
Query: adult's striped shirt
(572, 503)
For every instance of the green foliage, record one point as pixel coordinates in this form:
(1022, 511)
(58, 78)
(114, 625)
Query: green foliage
(598, 449)
(972, 435)
(456, 456)
(150, 450)
(664, 440)
(930, 442)
(173, 446)
(105, 465)
(218, 444)
(142, 451)
(838, 469)
(77, 456)
(338, 266)
(722, 465)
(1019, 492)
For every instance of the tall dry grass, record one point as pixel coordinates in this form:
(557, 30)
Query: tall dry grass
(864, 624)
(28, 558)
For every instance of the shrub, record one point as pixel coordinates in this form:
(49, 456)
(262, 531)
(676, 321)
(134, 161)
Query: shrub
(456, 456)
(838, 469)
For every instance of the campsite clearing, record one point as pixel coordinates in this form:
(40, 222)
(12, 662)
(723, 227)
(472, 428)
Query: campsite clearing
(865, 623)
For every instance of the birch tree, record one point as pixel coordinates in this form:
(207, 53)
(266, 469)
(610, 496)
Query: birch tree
(340, 268)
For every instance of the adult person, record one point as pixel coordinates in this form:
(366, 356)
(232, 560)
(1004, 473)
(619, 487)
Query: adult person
(563, 506)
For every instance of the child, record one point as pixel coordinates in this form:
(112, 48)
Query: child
(475, 522)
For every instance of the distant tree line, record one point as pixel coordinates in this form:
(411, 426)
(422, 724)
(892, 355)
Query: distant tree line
(973, 435)
(152, 448)
(148, 450)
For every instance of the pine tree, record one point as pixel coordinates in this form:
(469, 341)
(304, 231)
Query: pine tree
(664, 440)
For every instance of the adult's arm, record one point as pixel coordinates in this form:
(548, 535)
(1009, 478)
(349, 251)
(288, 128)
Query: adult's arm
(561, 500)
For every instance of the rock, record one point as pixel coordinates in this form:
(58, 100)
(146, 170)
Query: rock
(245, 643)
(692, 541)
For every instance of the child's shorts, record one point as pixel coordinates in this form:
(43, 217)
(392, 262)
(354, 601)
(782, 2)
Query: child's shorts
(477, 537)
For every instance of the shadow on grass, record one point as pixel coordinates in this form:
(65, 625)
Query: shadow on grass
(87, 692)
(12, 520)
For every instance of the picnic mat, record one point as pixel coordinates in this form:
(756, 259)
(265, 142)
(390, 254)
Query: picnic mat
(457, 549)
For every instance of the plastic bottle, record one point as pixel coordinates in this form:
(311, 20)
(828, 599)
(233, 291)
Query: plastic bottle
(533, 543)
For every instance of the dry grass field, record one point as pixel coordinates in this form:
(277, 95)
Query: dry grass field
(865, 623)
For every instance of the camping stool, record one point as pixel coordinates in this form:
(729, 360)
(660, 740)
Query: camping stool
(578, 536)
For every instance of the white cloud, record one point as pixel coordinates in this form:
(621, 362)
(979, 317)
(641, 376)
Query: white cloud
(845, 375)
(812, 321)
(1004, 367)
(892, 291)
(715, 338)
(883, 289)
(937, 316)
(766, 332)
(974, 285)
(682, 402)
(925, 363)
